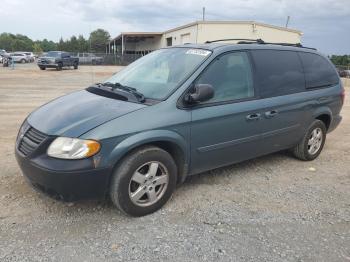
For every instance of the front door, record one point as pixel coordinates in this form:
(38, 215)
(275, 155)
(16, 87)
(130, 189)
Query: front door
(228, 127)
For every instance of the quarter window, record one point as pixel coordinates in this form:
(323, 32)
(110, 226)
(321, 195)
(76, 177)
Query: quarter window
(318, 71)
(278, 72)
(231, 77)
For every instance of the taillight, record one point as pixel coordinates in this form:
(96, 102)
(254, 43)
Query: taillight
(342, 96)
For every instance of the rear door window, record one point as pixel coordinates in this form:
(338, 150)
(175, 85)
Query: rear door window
(278, 72)
(318, 71)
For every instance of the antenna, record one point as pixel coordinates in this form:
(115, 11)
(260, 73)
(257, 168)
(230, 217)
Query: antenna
(288, 17)
(203, 13)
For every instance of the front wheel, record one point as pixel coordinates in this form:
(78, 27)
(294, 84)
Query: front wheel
(312, 143)
(59, 66)
(75, 66)
(144, 181)
(23, 61)
(42, 67)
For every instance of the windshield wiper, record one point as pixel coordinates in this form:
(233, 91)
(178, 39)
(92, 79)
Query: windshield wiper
(139, 96)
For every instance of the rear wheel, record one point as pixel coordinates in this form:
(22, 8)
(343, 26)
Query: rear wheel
(144, 181)
(312, 143)
(23, 61)
(42, 67)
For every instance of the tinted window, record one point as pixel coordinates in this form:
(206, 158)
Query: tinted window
(231, 77)
(318, 71)
(278, 72)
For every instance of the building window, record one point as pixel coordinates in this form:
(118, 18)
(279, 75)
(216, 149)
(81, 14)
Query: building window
(169, 41)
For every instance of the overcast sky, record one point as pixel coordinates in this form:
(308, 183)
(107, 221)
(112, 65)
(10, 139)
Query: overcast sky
(325, 23)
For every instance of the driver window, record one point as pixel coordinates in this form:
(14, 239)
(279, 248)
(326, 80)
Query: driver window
(231, 77)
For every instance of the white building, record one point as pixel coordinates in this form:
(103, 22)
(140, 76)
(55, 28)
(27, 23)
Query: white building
(200, 32)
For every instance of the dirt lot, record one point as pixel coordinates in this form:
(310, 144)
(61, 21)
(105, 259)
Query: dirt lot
(274, 208)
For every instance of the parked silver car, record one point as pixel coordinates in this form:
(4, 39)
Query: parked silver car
(30, 56)
(20, 58)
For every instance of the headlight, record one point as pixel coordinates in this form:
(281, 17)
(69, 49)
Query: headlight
(73, 148)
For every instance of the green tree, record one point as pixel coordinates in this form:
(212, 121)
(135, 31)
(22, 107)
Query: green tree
(61, 45)
(83, 44)
(340, 60)
(73, 44)
(6, 41)
(98, 39)
(47, 45)
(37, 48)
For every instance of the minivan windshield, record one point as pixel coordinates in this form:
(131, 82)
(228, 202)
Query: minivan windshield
(157, 74)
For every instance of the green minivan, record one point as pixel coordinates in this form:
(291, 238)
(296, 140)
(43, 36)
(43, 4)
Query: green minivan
(176, 112)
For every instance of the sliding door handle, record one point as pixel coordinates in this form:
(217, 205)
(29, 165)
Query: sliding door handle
(252, 117)
(270, 114)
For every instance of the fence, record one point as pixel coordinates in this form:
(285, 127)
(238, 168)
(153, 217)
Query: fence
(106, 59)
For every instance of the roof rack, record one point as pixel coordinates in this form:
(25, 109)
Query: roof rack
(259, 41)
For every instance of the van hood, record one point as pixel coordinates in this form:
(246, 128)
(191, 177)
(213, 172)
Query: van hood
(74, 114)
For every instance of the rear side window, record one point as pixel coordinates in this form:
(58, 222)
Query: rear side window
(318, 71)
(278, 72)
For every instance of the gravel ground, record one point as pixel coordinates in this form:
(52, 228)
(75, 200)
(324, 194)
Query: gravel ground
(274, 208)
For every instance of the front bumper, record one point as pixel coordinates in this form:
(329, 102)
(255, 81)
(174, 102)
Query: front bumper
(47, 65)
(64, 185)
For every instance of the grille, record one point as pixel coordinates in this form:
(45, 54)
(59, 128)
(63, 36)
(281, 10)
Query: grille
(30, 141)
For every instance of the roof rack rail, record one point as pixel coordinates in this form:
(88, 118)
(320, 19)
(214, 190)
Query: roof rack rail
(259, 41)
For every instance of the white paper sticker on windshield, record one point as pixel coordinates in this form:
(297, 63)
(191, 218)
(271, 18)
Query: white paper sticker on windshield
(198, 52)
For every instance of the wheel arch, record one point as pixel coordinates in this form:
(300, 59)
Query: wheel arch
(169, 141)
(324, 114)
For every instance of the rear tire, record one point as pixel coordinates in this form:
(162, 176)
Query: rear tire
(312, 143)
(42, 67)
(23, 61)
(144, 181)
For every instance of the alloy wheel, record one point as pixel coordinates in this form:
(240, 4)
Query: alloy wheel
(315, 141)
(148, 183)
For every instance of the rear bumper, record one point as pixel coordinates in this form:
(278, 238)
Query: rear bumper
(334, 123)
(65, 185)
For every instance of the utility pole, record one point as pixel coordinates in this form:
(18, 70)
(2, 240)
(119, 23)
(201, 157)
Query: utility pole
(203, 13)
(288, 17)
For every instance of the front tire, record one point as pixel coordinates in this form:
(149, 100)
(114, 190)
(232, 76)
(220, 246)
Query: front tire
(75, 66)
(42, 67)
(312, 143)
(23, 61)
(59, 66)
(144, 181)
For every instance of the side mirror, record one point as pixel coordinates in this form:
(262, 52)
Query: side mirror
(199, 93)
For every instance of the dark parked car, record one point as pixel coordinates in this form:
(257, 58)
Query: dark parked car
(177, 112)
(58, 60)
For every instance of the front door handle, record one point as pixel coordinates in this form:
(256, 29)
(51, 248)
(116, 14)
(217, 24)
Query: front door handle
(254, 116)
(270, 114)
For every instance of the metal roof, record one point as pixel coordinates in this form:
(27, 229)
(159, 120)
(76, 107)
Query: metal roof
(203, 22)
(234, 22)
